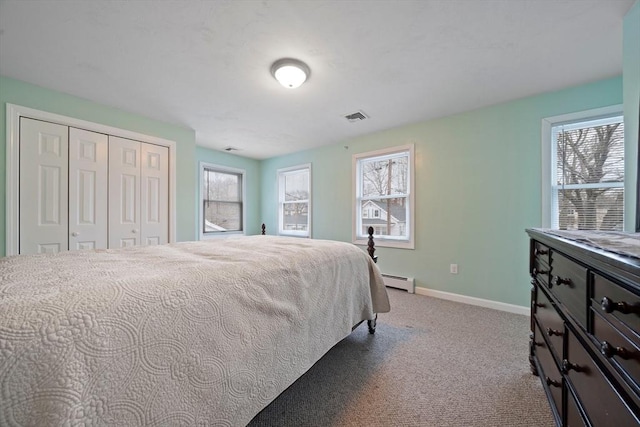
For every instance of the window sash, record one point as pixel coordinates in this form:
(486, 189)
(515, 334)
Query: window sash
(208, 203)
(388, 180)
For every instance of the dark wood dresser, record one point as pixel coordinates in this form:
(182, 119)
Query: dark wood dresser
(585, 331)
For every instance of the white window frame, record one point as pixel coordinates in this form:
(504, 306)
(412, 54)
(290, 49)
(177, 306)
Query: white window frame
(223, 169)
(282, 173)
(380, 240)
(603, 115)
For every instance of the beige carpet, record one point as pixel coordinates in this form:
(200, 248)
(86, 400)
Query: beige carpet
(431, 363)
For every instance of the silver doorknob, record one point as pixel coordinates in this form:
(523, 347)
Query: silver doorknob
(134, 231)
(75, 234)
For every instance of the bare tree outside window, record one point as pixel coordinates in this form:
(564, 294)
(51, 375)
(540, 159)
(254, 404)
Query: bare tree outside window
(589, 186)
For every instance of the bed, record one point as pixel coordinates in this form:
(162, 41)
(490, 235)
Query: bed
(193, 333)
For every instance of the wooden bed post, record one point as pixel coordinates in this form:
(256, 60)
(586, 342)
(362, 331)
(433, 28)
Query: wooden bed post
(371, 246)
(371, 249)
(264, 227)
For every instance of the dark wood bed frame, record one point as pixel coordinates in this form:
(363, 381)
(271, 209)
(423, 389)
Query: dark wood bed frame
(371, 250)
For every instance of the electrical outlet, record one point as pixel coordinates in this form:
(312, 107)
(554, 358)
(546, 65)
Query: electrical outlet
(453, 268)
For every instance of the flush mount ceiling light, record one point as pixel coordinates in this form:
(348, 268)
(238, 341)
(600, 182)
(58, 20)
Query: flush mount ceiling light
(291, 73)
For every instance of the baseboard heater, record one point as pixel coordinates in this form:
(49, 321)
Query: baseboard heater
(399, 282)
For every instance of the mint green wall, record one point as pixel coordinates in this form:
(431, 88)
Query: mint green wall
(252, 182)
(631, 88)
(478, 186)
(27, 95)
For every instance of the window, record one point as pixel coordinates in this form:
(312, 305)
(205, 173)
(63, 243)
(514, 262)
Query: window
(222, 208)
(585, 156)
(384, 197)
(294, 195)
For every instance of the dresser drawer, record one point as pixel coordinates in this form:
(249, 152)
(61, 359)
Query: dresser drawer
(550, 375)
(616, 302)
(540, 272)
(551, 324)
(574, 417)
(540, 252)
(568, 283)
(623, 354)
(602, 404)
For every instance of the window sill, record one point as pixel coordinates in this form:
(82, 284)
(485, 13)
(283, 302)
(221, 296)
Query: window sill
(304, 236)
(221, 235)
(380, 242)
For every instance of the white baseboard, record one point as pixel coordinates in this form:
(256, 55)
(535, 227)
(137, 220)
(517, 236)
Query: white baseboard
(511, 308)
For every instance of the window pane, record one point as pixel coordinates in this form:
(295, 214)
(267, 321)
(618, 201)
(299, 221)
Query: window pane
(591, 209)
(296, 185)
(295, 217)
(385, 176)
(222, 186)
(222, 216)
(388, 217)
(590, 155)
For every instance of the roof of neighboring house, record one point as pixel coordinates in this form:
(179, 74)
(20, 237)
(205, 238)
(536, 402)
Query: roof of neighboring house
(209, 226)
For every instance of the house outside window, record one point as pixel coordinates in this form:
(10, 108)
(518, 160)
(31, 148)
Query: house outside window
(384, 197)
(294, 201)
(583, 186)
(222, 200)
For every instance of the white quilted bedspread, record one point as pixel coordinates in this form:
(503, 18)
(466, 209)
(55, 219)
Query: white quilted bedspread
(198, 333)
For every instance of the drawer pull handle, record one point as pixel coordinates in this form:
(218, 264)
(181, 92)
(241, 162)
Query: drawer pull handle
(535, 272)
(567, 366)
(553, 383)
(552, 332)
(557, 281)
(539, 304)
(609, 306)
(609, 351)
(537, 252)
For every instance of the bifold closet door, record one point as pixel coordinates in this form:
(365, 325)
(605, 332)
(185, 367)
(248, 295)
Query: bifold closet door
(44, 154)
(124, 192)
(87, 189)
(138, 193)
(154, 194)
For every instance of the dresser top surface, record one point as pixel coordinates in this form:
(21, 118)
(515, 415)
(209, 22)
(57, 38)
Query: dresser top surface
(610, 252)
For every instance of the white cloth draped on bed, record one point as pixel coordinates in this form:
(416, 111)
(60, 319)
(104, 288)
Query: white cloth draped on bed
(195, 333)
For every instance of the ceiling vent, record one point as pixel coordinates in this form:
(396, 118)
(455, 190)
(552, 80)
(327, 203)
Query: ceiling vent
(231, 149)
(356, 117)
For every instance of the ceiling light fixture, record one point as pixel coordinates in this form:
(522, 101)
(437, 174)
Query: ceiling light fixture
(291, 73)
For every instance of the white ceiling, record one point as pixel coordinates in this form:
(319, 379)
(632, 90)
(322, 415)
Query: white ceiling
(205, 65)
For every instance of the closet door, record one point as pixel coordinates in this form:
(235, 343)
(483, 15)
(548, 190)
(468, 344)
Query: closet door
(154, 194)
(124, 192)
(43, 187)
(87, 189)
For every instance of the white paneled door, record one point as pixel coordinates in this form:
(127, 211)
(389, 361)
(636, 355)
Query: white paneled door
(154, 194)
(87, 189)
(44, 152)
(124, 192)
